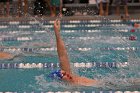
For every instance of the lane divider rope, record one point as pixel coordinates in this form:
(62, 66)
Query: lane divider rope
(25, 49)
(131, 38)
(55, 65)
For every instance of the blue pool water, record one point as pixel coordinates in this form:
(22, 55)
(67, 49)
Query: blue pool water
(87, 41)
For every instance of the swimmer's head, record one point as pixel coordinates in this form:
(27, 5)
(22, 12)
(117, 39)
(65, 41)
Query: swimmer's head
(136, 25)
(60, 74)
(56, 74)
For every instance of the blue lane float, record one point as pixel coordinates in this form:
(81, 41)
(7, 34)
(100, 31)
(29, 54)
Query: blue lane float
(9, 66)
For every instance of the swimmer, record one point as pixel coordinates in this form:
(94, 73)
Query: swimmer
(65, 73)
(5, 55)
(136, 25)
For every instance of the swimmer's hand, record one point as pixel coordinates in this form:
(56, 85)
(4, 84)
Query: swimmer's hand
(57, 25)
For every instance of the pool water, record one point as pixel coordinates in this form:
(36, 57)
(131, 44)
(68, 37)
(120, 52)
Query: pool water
(96, 42)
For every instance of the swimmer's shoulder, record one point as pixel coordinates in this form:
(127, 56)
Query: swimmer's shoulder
(84, 81)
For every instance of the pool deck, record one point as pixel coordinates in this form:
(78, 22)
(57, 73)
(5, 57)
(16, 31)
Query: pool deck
(95, 17)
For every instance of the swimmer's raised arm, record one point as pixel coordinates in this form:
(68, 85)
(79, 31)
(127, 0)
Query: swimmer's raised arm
(61, 50)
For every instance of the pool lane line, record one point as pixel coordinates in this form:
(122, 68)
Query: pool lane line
(84, 49)
(56, 65)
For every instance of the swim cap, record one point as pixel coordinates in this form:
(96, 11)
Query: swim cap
(56, 74)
